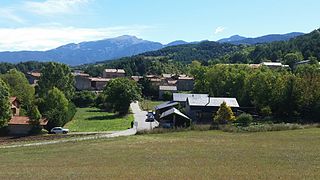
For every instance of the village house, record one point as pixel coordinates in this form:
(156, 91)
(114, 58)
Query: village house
(136, 78)
(173, 118)
(181, 98)
(33, 77)
(98, 83)
(274, 65)
(20, 125)
(113, 73)
(85, 82)
(185, 83)
(201, 110)
(164, 107)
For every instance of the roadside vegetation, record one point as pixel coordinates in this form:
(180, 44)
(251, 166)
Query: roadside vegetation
(96, 120)
(148, 105)
(183, 155)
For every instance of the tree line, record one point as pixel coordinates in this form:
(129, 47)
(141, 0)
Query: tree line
(273, 92)
(50, 99)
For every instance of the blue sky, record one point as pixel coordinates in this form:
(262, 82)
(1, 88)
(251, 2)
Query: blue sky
(46, 24)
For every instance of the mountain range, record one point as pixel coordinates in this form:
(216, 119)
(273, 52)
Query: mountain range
(236, 39)
(114, 48)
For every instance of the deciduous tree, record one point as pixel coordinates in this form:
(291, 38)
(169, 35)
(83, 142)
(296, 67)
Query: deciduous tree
(120, 93)
(5, 112)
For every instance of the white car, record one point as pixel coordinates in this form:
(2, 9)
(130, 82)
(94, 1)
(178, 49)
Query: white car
(59, 130)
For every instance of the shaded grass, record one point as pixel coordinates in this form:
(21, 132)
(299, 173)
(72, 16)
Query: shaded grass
(148, 105)
(93, 120)
(181, 155)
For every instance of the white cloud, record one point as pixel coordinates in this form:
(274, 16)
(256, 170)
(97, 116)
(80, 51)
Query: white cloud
(50, 7)
(219, 29)
(44, 38)
(9, 14)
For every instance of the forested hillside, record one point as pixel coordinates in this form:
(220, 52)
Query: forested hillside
(173, 59)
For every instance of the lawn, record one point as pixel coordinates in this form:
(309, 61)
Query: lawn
(184, 155)
(93, 120)
(148, 105)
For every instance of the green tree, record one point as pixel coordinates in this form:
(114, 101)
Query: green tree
(148, 90)
(120, 92)
(34, 114)
(84, 99)
(20, 87)
(55, 108)
(224, 115)
(199, 72)
(292, 58)
(5, 112)
(59, 76)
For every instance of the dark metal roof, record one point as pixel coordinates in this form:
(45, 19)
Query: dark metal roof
(173, 111)
(213, 101)
(179, 97)
(166, 104)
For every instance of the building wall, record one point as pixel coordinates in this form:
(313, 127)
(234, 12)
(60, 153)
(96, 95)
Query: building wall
(200, 114)
(99, 85)
(82, 83)
(112, 75)
(19, 129)
(185, 84)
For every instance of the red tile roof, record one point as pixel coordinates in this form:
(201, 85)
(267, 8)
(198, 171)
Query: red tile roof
(24, 120)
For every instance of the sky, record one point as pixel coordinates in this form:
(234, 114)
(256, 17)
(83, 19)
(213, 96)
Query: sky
(47, 24)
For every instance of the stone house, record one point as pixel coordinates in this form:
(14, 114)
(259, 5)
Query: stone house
(113, 73)
(20, 125)
(85, 82)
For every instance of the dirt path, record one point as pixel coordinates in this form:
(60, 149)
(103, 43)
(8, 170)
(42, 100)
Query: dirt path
(128, 132)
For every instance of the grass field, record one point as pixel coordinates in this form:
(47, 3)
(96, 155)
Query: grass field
(148, 105)
(93, 120)
(185, 155)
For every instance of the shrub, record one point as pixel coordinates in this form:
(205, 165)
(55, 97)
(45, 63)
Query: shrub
(167, 96)
(266, 111)
(71, 112)
(224, 115)
(244, 119)
(84, 99)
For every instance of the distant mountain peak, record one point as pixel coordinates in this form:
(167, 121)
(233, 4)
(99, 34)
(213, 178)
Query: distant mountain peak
(231, 39)
(176, 43)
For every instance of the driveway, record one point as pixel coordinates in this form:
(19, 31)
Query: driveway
(140, 118)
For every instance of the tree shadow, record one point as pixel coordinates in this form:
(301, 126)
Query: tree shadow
(105, 117)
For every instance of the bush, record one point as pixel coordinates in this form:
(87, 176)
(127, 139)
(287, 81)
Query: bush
(84, 99)
(244, 119)
(71, 112)
(224, 115)
(266, 111)
(167, 96)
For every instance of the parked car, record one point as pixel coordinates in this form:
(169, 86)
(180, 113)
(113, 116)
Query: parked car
(59, 130)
